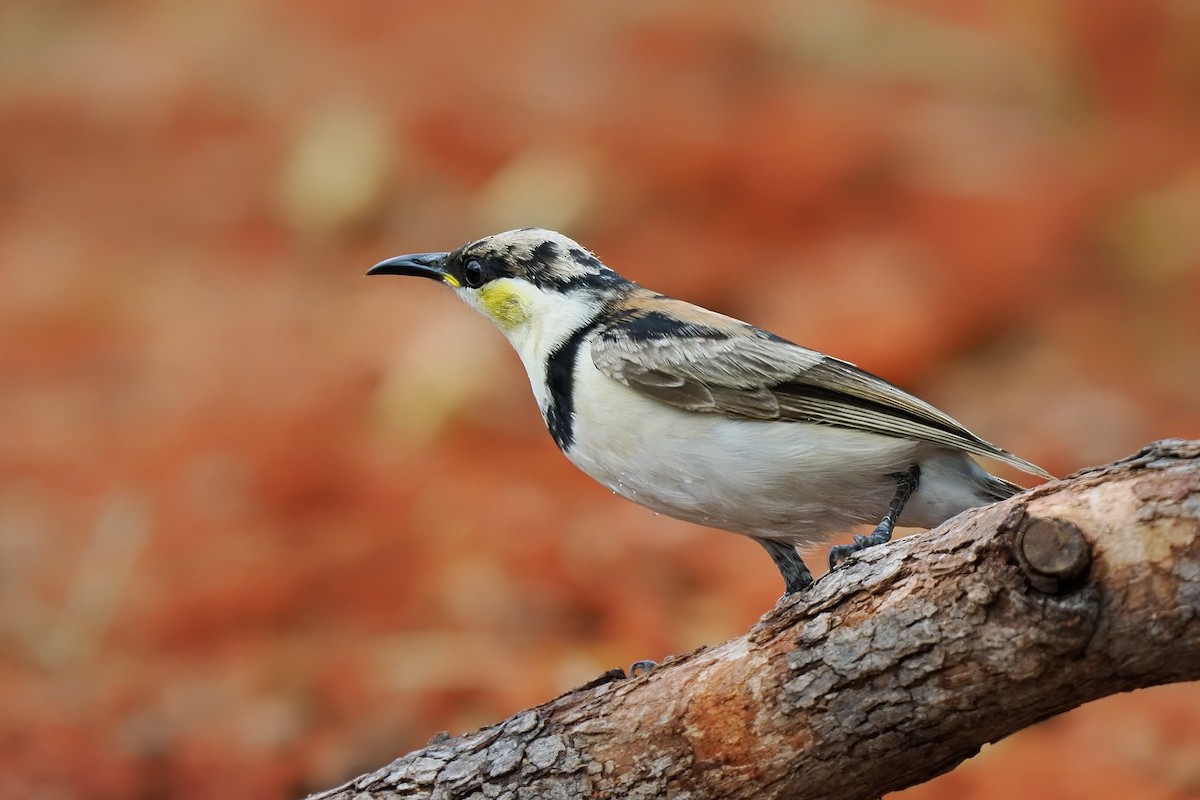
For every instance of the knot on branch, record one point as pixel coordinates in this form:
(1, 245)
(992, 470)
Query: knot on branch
(1053, 553)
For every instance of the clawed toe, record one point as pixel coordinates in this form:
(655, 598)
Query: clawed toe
(838, 553)
(644, 666)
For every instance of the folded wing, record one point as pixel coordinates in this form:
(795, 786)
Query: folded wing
(702, 361)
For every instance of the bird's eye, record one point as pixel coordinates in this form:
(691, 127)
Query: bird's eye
(473, 274)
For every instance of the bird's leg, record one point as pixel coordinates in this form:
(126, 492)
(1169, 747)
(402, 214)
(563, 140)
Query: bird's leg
(796, 577)
(906, 484)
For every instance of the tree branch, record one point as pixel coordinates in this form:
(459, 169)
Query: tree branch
(889, 671)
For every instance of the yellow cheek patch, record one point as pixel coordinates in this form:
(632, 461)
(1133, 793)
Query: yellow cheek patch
(451, 281)
(504, 304)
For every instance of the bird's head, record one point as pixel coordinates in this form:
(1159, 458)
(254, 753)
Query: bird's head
(538, 286)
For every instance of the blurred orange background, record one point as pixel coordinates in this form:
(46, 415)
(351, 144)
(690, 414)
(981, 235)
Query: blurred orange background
(265, 524)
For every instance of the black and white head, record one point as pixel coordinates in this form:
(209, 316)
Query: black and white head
(537, 285)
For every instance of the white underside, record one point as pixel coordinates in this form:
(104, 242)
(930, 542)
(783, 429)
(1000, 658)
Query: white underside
(793, 482)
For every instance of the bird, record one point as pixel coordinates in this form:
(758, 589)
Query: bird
(709, 419)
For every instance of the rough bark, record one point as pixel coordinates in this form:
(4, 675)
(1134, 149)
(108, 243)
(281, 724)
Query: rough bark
(889, 671)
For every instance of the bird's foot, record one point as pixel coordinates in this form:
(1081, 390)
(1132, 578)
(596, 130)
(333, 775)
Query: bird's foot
(644, 666)
(906, 484)
(881, 535)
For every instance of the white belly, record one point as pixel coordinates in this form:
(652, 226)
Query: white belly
(793, 482)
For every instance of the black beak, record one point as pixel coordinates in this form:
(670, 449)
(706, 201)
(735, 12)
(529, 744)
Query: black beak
(423, 265)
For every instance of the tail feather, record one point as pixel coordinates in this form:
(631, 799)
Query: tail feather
(1016, 461)
(1000, 489)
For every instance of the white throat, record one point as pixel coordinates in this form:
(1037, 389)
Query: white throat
(535, 321)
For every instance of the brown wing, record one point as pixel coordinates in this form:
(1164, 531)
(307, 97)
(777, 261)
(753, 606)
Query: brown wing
(698, 360)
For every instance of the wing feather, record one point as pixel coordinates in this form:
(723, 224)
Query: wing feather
(702, 361)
